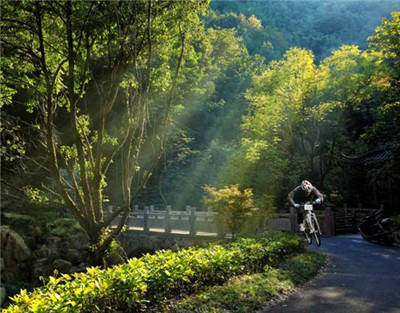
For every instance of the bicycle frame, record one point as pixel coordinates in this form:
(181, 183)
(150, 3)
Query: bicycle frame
(309, 214)
(312, 225)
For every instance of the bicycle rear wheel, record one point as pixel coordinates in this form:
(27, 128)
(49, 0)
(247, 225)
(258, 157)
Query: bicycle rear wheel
(317, 232)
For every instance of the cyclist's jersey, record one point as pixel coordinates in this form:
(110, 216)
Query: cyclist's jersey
(298, 195)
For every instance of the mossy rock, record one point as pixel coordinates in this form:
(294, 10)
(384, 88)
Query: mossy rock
(64, 226)
(19, 222)
(18, 217)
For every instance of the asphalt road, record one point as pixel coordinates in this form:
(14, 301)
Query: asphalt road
(361, 277)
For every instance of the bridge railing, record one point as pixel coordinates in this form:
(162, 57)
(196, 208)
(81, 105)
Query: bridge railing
(199, 223)
(189, 222)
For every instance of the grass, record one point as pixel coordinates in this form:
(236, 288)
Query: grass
(248, 293)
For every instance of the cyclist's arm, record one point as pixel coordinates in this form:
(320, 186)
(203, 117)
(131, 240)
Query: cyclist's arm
(318, 195)
(291, 196)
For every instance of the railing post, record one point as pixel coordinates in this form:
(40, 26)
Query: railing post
(168, 219)
(329, 222)
(192, 221)
(293, 220)
(146, 219)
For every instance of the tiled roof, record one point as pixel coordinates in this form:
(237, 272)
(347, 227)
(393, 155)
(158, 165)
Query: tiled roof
(385, 153)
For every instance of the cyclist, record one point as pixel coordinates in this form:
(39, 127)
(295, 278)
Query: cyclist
(300, 195)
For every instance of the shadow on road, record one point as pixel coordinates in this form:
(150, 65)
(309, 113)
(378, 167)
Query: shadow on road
(361, 277)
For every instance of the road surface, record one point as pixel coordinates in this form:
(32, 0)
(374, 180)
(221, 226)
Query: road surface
(361, 277)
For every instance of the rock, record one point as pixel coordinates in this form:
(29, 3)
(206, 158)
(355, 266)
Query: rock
(12, 274)
(2, 295)
(74, 256)
(41, 267)
(63, 226)
(63, 266)
(78, 269)
(30, 241)
(43, 252)
(13, 247)
(46, 252)
(53, 242)
(54, 254)
(78, 241)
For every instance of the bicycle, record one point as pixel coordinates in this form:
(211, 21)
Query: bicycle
(311, 224)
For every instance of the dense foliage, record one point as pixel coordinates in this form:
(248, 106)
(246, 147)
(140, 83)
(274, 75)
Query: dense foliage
(150, 280)
(147, 102)
(266, 125)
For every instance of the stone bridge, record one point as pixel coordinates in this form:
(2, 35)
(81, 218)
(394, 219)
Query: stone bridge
(150, 229)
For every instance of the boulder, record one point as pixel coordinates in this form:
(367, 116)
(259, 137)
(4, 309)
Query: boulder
(63, 266)
(41, 267)
(64, 226)
(12, 274)
(42, 252)
(13, 247)
(74, 256)
(78, 240)
(54, 246)
(53, 242)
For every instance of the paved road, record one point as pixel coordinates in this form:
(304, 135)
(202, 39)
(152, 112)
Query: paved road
(360, 278)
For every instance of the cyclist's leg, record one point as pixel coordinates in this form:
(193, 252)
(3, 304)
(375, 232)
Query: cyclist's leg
(300, 218)
(300, 215)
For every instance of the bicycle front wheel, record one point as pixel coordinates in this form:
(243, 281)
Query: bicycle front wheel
(317, 230)
(307, 233)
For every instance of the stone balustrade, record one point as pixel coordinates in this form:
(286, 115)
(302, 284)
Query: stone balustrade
(188, 222)
(198, 223)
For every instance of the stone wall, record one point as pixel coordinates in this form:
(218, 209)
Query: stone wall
(62, 247)
(137, 243)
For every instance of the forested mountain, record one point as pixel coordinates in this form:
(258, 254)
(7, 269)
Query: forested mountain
(320, 26)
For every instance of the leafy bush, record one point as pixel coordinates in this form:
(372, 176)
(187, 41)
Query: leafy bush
(233, 206)
(152, 279)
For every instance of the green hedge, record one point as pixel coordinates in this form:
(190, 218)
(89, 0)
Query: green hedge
(152, 279)
(250, 293)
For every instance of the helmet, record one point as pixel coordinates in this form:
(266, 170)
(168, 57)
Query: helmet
(306, 186)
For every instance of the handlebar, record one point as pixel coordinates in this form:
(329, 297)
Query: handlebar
(310, 202)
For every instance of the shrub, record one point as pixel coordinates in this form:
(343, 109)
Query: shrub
(249, 293)
(233, 206)
(152, 279)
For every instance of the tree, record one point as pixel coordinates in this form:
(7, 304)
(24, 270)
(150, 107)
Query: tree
(100, 78)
